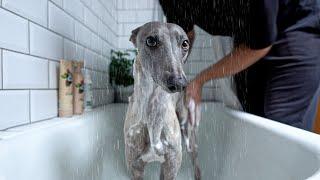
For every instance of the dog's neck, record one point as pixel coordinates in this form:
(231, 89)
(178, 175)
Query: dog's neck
(143, 82)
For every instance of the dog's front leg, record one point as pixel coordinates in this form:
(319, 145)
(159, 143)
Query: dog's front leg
(155, 152)
(155, 130)
(189, 134)
(155, 123)
(156, 116)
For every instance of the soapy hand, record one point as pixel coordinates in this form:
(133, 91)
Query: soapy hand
(193, 100)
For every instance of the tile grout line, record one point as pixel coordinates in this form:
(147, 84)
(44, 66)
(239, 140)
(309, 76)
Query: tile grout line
(29, 36)
(25, 89)
(29, 106)
(44, 58)
(48, 74)
(47, 14)
(140, 9)
(1, 67)
(63, 48)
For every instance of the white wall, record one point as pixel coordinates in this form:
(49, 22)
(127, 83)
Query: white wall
(34, 36)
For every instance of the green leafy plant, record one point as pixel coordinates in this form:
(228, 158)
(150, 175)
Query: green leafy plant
(80, 87)
(68, 77)
(121, 67)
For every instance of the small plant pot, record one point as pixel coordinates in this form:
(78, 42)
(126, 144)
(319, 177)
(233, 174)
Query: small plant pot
(123, 93)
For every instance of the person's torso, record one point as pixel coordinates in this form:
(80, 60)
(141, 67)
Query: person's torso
(298, 15)
(232, 18)
(298, 26)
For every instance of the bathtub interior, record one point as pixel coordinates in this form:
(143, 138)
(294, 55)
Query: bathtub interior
(92, 147)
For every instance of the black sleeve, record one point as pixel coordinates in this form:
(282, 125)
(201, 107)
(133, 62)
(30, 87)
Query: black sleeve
(263, 23)
(176, 12)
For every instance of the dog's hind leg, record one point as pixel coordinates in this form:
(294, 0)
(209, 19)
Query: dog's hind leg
(171, 166)
(137, 169)
(135, 164)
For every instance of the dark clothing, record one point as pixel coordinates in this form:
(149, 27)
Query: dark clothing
(257, 23)
(285, 84)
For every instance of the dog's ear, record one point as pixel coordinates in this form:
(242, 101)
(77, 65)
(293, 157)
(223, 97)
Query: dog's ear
(133, 37)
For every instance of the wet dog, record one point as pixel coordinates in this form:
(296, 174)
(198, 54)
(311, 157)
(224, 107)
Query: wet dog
(156, 118)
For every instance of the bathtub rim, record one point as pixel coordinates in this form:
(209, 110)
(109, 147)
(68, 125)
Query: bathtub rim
(306, 139)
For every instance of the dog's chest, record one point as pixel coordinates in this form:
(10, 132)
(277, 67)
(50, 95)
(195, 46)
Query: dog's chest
(162, 112)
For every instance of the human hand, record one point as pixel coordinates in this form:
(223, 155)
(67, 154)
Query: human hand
(193, 100)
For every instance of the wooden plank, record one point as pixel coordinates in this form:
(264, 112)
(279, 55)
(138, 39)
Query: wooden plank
(317, 121)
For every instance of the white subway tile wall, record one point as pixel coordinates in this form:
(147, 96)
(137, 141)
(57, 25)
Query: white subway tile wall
(45, 43)
(24, 72)
(60, 22)
(13, 32)
(43, 104)
(90, 19)
(74, 7)
(86, 2)
(14, 108)
(132, 14)
(34, 36)
(70, 50)
(53, 75)
(36, 10)
(58, 2)
(82, 35)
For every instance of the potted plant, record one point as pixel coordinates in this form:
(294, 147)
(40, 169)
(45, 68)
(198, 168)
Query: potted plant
(121, 73)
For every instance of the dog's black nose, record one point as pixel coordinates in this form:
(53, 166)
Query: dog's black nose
(176, 83)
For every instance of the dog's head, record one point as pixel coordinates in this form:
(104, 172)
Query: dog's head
(163, 49)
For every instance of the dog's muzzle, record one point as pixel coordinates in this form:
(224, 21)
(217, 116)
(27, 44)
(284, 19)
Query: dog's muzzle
(176, 83)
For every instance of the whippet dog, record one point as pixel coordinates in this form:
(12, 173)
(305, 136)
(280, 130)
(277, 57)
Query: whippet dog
(157, 113)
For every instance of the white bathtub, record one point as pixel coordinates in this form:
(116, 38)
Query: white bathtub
(233, 146)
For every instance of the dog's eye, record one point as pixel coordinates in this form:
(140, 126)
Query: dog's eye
(152, 41)
(185, 45)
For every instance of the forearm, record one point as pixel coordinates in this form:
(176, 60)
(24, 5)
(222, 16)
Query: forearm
(238, 60)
